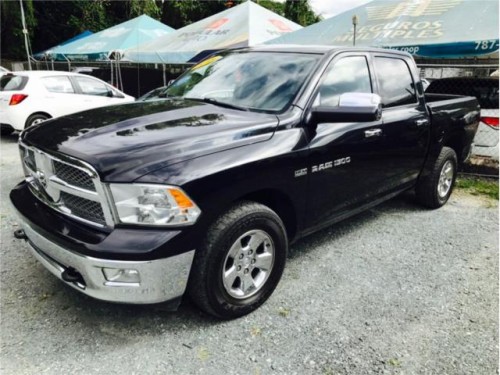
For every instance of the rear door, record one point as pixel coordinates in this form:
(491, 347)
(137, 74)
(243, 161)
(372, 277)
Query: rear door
(405, 120)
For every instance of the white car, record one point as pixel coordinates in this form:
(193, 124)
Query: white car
(28, 98)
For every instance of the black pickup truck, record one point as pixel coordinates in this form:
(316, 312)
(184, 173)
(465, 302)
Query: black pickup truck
(204, 188)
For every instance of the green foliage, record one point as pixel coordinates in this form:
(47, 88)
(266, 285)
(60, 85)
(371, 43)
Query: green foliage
(12, 38)
(478, 186)
(51, 22)
(300, 12)
(88, 15)
(179, 13)
(139, 7)
(62, 20)
(273, 6)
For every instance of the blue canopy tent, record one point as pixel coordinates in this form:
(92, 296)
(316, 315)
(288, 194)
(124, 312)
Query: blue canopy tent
(243, 25)
(41, 55)
(424, 28)
(99, 46)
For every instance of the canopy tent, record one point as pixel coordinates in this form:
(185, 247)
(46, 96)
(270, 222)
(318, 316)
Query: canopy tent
(128, 34)
(246, 24)
(41, 55)
(425, 28)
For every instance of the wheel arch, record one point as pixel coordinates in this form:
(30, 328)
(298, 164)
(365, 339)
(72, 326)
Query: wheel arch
(457, 143)
(280, 203)
(34, 114)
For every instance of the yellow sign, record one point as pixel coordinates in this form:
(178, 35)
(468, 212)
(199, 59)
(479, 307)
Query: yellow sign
(206, 62)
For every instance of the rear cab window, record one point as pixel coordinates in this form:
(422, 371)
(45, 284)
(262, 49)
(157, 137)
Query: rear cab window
(13, 83)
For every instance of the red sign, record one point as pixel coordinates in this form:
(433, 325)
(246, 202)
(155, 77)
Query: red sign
(216, 24)
(281, 26)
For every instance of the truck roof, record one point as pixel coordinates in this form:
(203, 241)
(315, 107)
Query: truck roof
(317, 49)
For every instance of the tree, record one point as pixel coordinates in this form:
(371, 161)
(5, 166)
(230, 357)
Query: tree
(51, 22)
(273, 6)
(11, 29)
(121, 11)
(300, 12)
(62, 20)
(140, 7)
(179, 13)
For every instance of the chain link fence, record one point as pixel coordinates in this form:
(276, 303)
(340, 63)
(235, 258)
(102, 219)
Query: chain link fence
(133, 79)
(480, 81)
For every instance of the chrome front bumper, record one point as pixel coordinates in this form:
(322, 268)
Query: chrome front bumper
(159, 280)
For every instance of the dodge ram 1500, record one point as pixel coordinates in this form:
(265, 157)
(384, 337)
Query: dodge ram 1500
(204, 188)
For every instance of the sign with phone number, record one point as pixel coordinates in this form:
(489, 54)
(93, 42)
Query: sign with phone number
(452, 50)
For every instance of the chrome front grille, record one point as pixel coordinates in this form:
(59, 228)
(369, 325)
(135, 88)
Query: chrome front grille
(30, 159)
(84, 208)
(73, 176)
(67, 185)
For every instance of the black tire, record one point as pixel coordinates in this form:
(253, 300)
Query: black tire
(35, 119)
(247, 221)
(432, 191)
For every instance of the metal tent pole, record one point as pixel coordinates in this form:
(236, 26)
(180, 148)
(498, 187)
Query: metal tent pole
(25, 32)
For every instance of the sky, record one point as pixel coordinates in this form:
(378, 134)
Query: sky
(329, 8)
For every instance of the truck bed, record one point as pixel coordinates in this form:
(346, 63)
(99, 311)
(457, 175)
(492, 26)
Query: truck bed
(454, 117)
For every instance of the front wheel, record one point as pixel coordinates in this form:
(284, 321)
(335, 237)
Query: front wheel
(241, 261)
(434, 189)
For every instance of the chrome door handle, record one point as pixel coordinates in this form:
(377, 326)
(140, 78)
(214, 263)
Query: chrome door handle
(373, 133)
(421, 122)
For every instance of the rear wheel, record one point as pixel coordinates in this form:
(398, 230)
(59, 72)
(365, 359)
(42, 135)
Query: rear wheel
(35, 119)
(434, 190)
(241, 261)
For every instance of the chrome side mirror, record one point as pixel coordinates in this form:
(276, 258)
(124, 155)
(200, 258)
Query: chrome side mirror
(352, 107)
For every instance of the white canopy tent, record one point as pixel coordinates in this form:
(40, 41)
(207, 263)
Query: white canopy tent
(247, 24)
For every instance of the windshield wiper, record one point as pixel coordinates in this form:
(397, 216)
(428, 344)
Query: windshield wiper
(221, 104)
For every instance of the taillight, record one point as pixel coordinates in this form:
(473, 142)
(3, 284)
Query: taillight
(17, 98)
(490, 121)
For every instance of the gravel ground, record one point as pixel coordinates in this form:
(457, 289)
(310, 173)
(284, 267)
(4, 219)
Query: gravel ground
(395, 290)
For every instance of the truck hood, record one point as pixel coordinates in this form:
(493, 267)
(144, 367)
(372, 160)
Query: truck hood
(127, 141)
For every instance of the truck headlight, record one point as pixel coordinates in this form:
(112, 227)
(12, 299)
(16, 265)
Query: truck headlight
(153, 205)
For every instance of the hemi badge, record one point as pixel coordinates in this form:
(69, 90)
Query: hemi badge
(301, 172)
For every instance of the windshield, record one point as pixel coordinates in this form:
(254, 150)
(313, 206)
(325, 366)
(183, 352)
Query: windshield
(251, 80)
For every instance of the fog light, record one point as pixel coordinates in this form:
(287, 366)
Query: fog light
(121, 275)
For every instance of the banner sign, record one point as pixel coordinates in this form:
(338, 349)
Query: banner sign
(430, 28)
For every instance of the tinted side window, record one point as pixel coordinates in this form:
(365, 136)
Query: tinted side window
(59, 84)
(395, 81)
(91, 86)
(349, 74)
